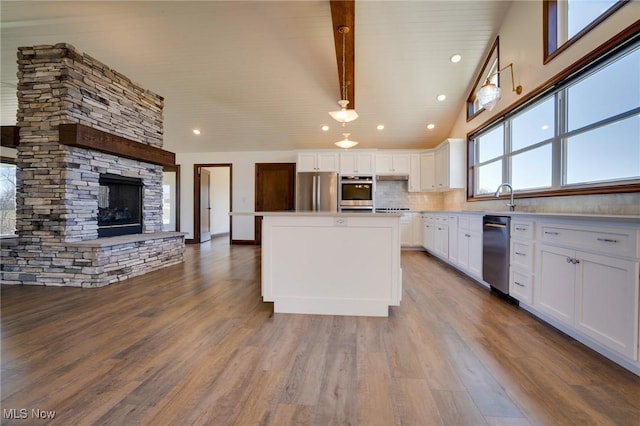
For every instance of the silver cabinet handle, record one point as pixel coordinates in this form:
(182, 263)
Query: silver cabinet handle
(569, 260)
(608, 240)
(517, 283)
(520, 254)
(551, 233)
(520, 229)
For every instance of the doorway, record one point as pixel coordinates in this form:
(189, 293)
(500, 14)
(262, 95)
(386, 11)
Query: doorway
(212, 201)
(275, 191)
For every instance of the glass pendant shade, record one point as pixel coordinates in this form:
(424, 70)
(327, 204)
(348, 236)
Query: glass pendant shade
(346, 143)
(488, 96)
(344, 115)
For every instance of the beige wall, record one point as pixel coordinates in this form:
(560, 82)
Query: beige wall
(521, 43)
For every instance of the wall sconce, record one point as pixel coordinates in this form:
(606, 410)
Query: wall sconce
(489, 93)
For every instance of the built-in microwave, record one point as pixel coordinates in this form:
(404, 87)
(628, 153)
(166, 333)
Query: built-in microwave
(356, 193)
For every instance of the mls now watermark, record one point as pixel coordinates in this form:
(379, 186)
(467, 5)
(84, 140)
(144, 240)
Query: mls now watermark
(23, 413)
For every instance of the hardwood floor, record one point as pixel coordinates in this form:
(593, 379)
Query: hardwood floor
(194, 344)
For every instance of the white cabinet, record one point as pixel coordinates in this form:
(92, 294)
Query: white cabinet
(357, 163)
(428, 232)
(443, 168)
(318, 161)
(411, 229)
(555, 292)
(607, 301)
(587, 277)
(469, 256)
(435, 234)
(428, 171)
(392, 164)
(414, 173)
(453, 238)
(441, 238)
(521, 277)
(450, 164)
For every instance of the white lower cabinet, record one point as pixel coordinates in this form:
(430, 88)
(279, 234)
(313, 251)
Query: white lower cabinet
(411, 229)
(469, 244)
(521, 276)
(555, 289)
(593, 292)
(607, 301)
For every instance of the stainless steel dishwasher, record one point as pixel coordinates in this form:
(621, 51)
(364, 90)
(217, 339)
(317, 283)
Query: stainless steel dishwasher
(495, 252)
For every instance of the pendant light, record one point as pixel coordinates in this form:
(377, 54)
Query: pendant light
(344, 115)
(346, 143)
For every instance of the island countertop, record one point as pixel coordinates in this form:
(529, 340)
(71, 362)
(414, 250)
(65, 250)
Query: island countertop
(315, 214)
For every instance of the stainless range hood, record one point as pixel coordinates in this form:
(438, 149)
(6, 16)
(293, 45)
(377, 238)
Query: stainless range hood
(392, 177)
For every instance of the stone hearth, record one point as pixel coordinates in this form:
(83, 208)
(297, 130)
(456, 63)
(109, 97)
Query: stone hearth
(59, 186)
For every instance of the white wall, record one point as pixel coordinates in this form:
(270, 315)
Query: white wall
(243, 182)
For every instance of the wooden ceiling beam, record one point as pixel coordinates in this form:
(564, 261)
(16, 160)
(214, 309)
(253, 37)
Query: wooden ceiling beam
(343, 14)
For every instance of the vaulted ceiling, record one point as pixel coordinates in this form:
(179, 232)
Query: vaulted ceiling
(262, 75)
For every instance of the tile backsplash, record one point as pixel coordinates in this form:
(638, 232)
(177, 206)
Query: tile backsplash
(391, 193)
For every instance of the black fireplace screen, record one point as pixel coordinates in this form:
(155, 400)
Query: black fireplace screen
(119, 206)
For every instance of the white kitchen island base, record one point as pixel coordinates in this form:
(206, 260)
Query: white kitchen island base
(331, 263)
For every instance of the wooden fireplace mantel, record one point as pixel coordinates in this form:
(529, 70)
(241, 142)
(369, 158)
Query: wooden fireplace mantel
(86, 137)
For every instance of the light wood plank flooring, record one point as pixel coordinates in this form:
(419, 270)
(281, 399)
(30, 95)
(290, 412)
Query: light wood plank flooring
(194, 344)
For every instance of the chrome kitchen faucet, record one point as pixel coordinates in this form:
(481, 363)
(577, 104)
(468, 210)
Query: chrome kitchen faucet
(511, 204)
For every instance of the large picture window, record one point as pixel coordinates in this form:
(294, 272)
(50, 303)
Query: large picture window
(582, 135)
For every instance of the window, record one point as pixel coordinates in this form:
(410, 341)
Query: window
(7, 197)
(584, 134)
(565, 21)
(489, 72)
(170, 198)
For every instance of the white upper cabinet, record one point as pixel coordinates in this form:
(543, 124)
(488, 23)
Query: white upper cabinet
(443, 168)
(357, 163)
(318, 161)
(428, 171)
(393, 164)
(414, 184)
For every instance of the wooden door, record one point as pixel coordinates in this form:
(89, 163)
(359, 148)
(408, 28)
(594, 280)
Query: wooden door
(205, 205)
(275, 190)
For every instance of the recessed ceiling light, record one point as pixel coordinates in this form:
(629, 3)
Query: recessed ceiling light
(380, 126)
(455, 58)
(325, 128)
(196, 131)
(431, 126)
(441, 97)
(545, 127)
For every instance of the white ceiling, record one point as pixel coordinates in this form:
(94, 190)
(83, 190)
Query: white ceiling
(262, 75)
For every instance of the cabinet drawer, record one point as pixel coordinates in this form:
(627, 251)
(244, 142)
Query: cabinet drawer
(521, 286)
(522, 230)
(605, 240)
(522, 255)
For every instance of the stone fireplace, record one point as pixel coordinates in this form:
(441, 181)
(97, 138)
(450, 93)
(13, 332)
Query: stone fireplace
(89, 180)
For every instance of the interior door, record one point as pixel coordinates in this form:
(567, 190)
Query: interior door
(275, 190)
(205, 205)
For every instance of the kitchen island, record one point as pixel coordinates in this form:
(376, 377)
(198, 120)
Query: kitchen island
(331, 263)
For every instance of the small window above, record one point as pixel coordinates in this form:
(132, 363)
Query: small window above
(565, 21)
(489, 71)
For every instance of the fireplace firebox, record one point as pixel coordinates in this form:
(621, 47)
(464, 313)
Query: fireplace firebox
(119, 205)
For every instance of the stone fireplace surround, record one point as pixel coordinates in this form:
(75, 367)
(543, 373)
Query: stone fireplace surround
(58, 185)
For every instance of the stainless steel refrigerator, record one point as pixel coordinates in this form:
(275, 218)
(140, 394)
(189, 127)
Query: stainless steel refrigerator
(317, 191)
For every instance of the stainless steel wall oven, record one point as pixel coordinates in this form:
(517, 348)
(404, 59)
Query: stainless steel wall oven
(356, 193)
